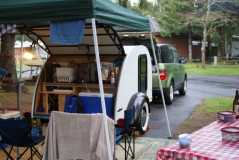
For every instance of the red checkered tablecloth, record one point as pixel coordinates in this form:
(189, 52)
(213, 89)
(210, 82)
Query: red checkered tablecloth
(206, 145)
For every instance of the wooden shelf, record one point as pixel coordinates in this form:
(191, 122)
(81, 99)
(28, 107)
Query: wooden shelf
(57, 93)
(58, 90)
(79, 85)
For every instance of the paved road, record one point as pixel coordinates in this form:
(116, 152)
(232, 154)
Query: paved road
(199, 87)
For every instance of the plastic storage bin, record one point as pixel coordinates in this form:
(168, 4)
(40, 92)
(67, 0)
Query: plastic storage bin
(92, 104)
(65, 74)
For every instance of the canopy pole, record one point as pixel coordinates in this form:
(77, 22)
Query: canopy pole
(102, 95)
(22, 52)
(160, 85)
(19, 89)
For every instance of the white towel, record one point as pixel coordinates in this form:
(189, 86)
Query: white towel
(73, 136)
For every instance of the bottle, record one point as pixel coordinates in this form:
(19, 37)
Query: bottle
(36, 128)
(236, 103)
(112, 80)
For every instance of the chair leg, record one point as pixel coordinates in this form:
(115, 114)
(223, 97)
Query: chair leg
(125, 148)
(130, 151)
(37, 152)
(10, 151)
(20, 156)
(6, 152)
(133, 144)
(31, 153)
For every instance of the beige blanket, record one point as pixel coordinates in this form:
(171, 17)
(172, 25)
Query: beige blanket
(73, 136)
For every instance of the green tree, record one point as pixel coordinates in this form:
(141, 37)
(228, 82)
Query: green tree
(170, 14)
(188, 17)
(7, 60)
(215, 23)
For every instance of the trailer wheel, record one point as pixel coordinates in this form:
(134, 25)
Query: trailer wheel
(143, 121)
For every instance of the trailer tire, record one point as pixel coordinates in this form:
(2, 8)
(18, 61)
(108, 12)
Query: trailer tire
(143, 119)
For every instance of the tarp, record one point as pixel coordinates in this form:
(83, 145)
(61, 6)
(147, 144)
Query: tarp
(67, 32)
(44, 11)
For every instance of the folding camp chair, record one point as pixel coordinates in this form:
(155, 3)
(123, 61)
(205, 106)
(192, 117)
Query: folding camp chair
(126, 131)
(17, 133)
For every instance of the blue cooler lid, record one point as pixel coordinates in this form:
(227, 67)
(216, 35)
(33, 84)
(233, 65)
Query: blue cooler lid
(94, 94)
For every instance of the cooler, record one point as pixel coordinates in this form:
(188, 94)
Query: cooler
(92, 104)
(72, 104)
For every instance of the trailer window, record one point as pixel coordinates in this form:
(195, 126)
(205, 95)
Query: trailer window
(142, 81)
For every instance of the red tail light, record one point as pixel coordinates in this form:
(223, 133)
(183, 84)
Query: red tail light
(163, 75)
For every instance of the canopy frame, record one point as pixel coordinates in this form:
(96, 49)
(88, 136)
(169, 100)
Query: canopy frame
(101, 87)
(160, 85)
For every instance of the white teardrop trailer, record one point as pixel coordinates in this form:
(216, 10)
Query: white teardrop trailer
(71, 70)
(121, 73)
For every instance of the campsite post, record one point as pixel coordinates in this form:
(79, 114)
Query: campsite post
(102, 96)
(19, 87)
(160, 85)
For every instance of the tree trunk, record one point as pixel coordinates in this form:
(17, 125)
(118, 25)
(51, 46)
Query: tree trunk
(7, 61)
(205, 30)
(204, 43)
(226, 47)
(190, 44)
(221, 45)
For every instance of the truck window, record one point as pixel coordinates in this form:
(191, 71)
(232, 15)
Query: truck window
(142, 71)
(167, 55)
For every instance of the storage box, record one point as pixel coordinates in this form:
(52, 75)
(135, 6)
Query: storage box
(230, 134)
(92, 104)
(65, 74)
(226, 116)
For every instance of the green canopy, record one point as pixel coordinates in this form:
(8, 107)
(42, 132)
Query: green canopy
(44, 11)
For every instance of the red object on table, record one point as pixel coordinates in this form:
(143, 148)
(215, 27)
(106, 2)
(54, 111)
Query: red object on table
(206, 145)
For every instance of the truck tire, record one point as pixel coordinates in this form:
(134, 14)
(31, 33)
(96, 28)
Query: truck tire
(143, 121)
(169, 94)
(183, 89)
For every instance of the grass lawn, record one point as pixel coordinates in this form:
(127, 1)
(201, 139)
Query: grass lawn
(204, 114)
(211, 70)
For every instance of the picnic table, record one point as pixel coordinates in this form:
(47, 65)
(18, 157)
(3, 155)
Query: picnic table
(206, 145)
